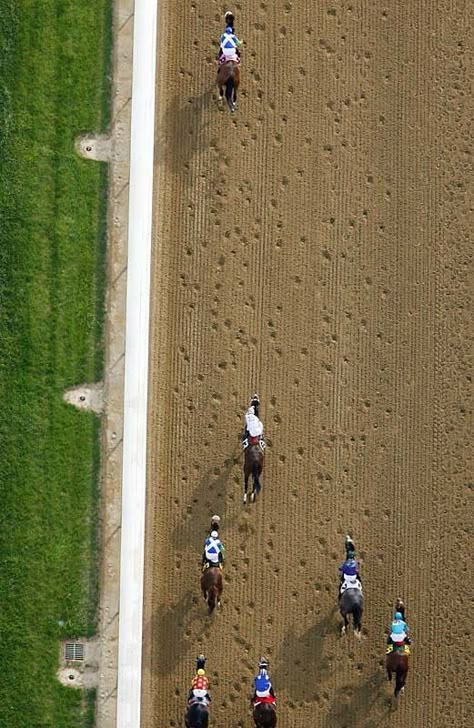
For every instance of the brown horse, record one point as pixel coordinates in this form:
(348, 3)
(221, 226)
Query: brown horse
(397, 662)
(264, 715)
(228, 75)
(253, 466)
(212, 585)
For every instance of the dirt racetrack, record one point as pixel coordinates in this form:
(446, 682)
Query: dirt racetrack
(315, 247)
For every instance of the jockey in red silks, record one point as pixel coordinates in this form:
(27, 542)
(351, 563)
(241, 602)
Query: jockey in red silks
(200, 685)
(263, 690)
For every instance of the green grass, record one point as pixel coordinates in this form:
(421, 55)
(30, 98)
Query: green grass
(53, 86)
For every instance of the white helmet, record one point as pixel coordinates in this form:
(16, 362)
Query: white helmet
(214, 534)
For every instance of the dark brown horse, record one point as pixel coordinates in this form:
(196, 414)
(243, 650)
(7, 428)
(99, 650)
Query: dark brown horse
(228, 76)
(212, 585)
(397, 662)
(197, 716)
(264, 715)
(253, 466)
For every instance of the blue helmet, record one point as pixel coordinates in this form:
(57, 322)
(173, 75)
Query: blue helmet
(262, 683)
(228, 29)
(397, 615)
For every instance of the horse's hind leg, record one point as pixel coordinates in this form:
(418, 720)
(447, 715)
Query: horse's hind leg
(346, 623)
(246, 485)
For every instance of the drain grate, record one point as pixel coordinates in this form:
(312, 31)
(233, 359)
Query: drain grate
(74, 651)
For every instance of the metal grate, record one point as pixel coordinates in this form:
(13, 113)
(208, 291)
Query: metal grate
(74, 651)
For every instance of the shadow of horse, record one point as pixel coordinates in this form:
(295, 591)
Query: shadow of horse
(303, 665)
(166, 631)
(208, 498)
(365, 706)
(184, 129)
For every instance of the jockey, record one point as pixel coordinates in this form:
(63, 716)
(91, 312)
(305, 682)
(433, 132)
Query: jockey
(263, 690)
(213, 554)
(349, 569)
(229, 43)
(398, 631)
(200, 685)
(253, 426)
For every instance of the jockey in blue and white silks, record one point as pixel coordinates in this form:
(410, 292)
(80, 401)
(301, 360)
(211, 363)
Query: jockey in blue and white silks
(229, 44)
(398, 631)
(263, 690)
(213, 551)
(349, 569)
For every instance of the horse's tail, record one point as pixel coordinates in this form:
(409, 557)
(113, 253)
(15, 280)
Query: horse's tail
(399, 679)
(357, 615)
(256, 481)
(211, 598)
(229, 89)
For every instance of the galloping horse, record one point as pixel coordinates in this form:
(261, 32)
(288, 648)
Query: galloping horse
(228, 75)
(351, 601)
(264, 715)
(197, 716)
(397, 662)
(253, 466)
(211, 586)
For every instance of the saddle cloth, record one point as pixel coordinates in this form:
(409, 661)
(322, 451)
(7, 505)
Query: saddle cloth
(211, 565)
(254, 441)
(226, 59)
(355, 584)
(405, 650)
(268, 699)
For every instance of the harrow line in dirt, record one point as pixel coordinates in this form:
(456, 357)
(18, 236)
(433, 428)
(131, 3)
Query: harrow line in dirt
(309, 245)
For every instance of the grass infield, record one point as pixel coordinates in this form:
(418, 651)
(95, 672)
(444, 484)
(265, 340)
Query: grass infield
(54, 58)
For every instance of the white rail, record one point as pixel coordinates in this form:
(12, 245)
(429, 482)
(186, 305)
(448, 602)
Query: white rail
(136, 365)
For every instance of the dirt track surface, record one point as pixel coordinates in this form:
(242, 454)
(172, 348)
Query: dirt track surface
(316, 247)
